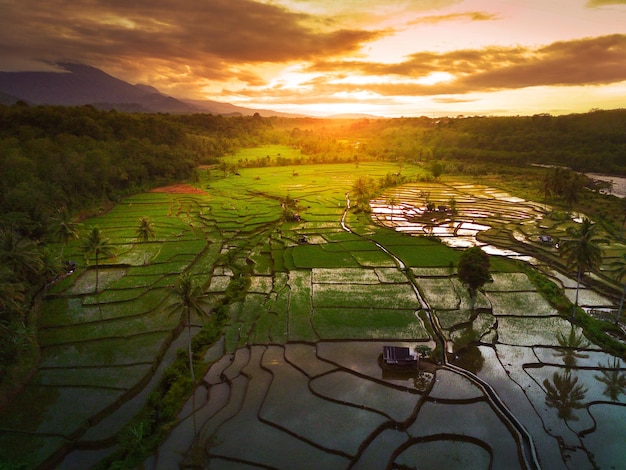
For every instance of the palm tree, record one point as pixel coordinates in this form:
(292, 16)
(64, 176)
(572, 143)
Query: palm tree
(190, 300)
(570, 346)
(547, 186)
(613, 378)
(21, 255)
(145, 232)
(620, 276)
(564, 393)
(581, 251)
(571, 190)
(65, 229)
(98, 246)
(391, 201)
(11, 293)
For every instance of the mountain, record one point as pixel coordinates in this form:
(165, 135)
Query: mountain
(81, 84)
(217, 107)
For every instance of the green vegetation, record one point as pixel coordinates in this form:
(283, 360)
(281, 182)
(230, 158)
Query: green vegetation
(255, 240)
(473, 271)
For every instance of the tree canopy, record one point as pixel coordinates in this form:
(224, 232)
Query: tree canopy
(473, 271)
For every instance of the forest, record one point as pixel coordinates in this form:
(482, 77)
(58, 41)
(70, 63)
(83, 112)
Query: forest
(59, 165)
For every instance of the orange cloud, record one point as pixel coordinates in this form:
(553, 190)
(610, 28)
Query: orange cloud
(599, 3)
(579, 62)
(470, 15)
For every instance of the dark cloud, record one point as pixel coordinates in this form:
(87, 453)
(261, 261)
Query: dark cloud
(209, 39)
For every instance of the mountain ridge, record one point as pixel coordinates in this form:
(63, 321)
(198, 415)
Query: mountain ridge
(82, 84)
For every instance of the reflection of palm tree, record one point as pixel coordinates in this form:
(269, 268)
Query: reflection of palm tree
(613, 378)
(564, 394)
(570, 346)
(620, 275)
(145, 232)
(581, 251)
(97, 245)
(422, 380)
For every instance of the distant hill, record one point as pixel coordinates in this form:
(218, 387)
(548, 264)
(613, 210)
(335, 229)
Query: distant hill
(217, 107)
(83, 84)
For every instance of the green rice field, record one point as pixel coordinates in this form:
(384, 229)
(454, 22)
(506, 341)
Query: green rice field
(294, 380)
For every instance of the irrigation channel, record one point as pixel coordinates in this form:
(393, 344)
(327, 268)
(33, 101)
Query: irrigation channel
(523, 438)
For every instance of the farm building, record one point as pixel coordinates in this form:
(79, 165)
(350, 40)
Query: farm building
(399, 356)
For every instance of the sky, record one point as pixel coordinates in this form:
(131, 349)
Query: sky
(387, 58)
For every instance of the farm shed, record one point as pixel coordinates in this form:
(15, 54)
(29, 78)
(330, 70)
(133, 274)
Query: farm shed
(399, 356)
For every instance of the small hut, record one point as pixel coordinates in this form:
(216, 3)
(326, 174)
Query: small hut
(399, 356)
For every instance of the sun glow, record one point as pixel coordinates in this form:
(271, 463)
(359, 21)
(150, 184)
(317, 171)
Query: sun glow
(435, 77)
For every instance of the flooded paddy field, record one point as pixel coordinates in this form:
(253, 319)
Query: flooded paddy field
(296, 380)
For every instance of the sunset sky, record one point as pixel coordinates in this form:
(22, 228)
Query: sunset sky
(323, 57)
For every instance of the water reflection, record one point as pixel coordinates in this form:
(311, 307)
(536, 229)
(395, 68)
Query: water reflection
(421, 380)
(571, 346)
(613, 378)
(565, 394)
(469, 358)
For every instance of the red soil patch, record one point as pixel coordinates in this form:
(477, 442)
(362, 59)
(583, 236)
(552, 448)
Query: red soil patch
(178, 189)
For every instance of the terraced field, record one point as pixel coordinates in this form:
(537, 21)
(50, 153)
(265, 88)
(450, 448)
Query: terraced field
(295, 381)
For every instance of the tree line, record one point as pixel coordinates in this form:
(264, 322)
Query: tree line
(57, 163)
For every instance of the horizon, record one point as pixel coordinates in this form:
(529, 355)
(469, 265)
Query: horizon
(319, 58)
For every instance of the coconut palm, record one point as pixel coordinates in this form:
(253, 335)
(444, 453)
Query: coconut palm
(564, 393)
(65, 228)
(97, 245)
(145, 232)
(190, 300)
(21, 255)
(620, 275)
(547, 187)
(581, 251)
(11, 294)
(571, 190)
(391, 202)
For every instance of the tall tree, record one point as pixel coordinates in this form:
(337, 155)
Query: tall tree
(547, 187)
(582, 252)
(190, 300)
(65, 228)
(98, 246)
(20, 254)
(620, 275)
(391, 202)
(473, 271)
(145, 232)
(11, 295)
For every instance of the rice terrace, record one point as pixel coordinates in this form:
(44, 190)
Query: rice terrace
(302, 289)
